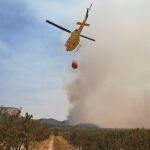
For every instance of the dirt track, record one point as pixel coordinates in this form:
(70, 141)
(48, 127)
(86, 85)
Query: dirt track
(60, 144)
(51, 143)
(54, 143)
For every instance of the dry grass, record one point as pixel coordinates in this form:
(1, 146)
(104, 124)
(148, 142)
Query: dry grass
(60, 144)
(42, 146)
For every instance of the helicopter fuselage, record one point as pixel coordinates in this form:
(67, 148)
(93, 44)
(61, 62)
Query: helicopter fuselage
(73, 41)
(74, 38)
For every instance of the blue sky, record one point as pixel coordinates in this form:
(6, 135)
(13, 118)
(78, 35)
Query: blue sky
(34, 68)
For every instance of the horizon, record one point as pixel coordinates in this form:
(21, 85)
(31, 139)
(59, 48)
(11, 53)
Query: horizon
(110, 87)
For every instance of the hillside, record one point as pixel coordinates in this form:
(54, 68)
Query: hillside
(65, 124)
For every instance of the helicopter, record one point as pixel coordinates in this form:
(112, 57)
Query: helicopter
(74, 40)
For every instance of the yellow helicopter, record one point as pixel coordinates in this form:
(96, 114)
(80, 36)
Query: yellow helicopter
(74, 38)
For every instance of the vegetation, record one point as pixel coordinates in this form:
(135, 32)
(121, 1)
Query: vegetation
(133, 139)
(17, 131)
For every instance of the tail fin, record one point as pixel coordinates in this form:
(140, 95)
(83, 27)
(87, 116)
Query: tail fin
(88, 9)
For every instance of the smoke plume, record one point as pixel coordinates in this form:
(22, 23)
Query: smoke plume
(112, 85)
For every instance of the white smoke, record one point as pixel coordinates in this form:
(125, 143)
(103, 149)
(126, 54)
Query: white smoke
(112, 86)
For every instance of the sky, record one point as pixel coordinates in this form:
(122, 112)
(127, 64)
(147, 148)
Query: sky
(34, 67)
(111, 86)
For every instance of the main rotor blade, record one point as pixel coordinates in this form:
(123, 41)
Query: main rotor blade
(87, 38)
(58, 26)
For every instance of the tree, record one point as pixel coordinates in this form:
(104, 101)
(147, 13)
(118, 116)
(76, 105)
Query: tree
(16, 131)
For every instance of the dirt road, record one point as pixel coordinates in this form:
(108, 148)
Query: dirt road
(60, 144)
(51, 143)
(54, 143)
